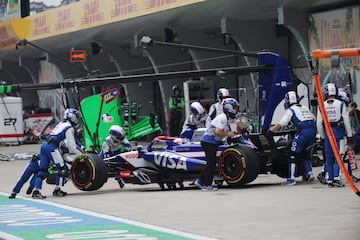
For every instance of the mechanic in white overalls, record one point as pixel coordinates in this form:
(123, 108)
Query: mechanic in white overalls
(217, 108)
(114, 142)
(340, 123)
(304, 120)
(50, 152)
(213, 137)
(195, 120)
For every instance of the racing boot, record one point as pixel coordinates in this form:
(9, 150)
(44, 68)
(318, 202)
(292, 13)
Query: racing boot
(289, 182)
(321, 177)
(37, 195)
(309, 178)
(355, 179)
(198, 183)
(12, 195)
(59, 193)
(338, 183)
(29, 190)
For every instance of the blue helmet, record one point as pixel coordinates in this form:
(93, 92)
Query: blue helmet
(72, 115)
(231, 106)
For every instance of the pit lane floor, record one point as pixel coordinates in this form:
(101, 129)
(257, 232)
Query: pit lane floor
(260, 210)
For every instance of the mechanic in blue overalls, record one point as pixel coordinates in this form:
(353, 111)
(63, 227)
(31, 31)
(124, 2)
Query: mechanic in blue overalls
(195, 120)
(50, 152)
(114, 142)
(338, 117)
(31, 169)
(304, 137)
(213, 137)
(217, 108)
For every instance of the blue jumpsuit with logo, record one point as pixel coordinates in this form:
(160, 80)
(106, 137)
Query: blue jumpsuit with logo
(340, 124)
(31, 169)
(304, 121)
(50, 153)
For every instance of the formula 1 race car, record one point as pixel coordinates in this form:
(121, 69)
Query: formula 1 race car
(169, 161)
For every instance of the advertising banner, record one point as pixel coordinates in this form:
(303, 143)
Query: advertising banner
(92, 13)
(337, 29)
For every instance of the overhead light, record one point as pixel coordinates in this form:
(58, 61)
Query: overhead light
(221, 74)
(146, 41)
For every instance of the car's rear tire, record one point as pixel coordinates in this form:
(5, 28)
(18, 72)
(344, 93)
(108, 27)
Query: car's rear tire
(239, 165)
(88, 173)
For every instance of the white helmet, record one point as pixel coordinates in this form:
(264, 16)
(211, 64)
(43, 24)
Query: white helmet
(197, 108)
(290, 98)
(117, 132)
(330, 90)
(222, 93)
(72, 115)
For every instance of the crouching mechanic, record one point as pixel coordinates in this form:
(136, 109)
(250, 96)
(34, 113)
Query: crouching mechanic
(114, 142)
(304, 137)
(31, 169)
(50, 152)
(194, 121)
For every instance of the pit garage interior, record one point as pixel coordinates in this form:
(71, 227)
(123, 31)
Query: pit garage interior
(186, 37)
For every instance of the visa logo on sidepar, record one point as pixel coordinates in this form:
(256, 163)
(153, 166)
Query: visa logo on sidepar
(168, 160)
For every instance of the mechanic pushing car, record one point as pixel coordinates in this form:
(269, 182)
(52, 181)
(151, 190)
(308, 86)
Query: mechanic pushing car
(114, 142)
(304, 138)
(213, 137)
(50, 152)
(195, 120)
(31, 169)
(340, 124)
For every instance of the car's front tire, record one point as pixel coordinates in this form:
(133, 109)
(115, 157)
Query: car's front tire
(88, 172)
(239, 165)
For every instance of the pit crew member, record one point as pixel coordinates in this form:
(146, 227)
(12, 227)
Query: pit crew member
(339, 120)
(114, 142)
(304, 120)
(195, 120)
(50, 152)
(216, 108)
(213, 137)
